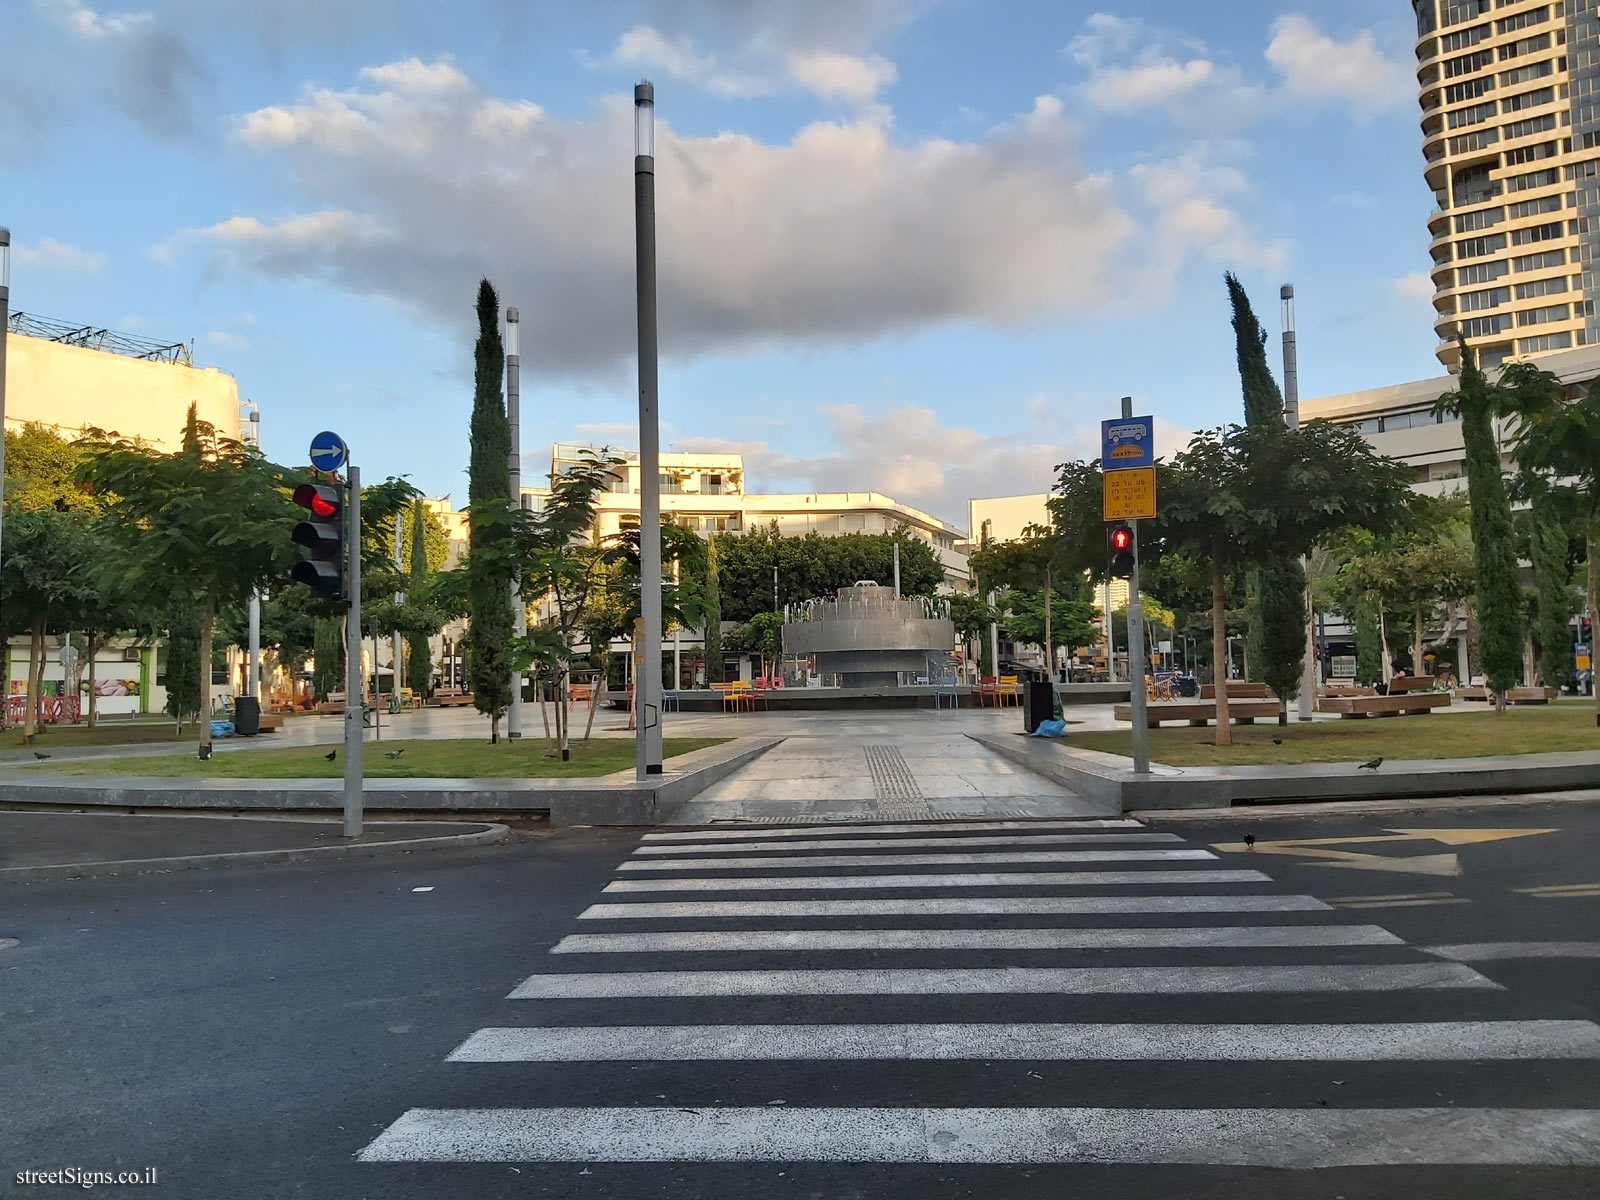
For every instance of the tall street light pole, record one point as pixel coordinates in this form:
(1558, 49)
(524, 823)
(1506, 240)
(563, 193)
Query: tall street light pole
(5, 327)
(647, 680)
(1307, 704)
(519, 610)
(252, 435)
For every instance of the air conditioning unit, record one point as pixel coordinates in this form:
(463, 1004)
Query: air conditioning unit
(132, 654)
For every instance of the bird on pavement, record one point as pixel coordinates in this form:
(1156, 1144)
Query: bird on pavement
(40, 755)
(1249, 841)
(1277, 741)
(331, 755)
(1372, 764)
(394, 753)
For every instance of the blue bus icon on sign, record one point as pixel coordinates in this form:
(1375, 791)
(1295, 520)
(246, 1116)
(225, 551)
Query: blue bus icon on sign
(1127, 442)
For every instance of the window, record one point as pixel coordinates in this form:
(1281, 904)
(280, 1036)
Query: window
(1463, 38)
(1513, 104)
(1479, 246)
(1456, 93)
(1481, 273)
(1477, 327)
(1468, 63)
(1481, 219)
(1490, 298)
(712, 485)
(1476, 115)
(1546, 341)
(1539, 262)
(1468, 143)
(1534, 16)
(1543, 316)
(1537, 233)
(1534, 179)
(1542, 287)
(1369, 426)
(1533, 125)
(1456, 11)
(1528, 45)
(1532, 153)
(1532, 208)
(1416, 419)
(1526, 74)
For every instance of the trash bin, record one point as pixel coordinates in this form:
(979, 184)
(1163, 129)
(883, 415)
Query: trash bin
(1038, 703)
(1188, 687)
(247, 716)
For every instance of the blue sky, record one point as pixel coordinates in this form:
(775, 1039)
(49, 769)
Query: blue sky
(916, 246)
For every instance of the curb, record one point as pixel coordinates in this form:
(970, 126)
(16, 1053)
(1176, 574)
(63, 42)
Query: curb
(1355, 808)
(492, 835)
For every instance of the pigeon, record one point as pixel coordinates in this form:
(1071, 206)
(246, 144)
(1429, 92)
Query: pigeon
(394, 753)
(1249, 841)
(1277, 741)
(331, 755)
(40, 755)
(1371, 765)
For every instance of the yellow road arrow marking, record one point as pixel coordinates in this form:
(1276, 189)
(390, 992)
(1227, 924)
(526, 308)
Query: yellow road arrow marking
(1470, 837)
(1421, 864)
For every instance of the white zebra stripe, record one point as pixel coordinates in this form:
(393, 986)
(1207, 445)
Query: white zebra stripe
(1166, 980)
(1239, 1137)
(904, 906)
(700, 835)
(753, 940)
(812, 861)
(1431, 1041)
(819, 883)
(1036, 839)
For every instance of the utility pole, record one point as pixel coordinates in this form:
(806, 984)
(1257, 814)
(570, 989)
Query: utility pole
(1137, 662)
(395, 679)
(896, 544)
(354, 681)
(5, 329)
(519, 610)
(1307, 704)
(252, 436)
(647, 680)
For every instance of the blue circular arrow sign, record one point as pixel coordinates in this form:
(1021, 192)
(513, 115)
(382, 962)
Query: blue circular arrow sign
(328, 451)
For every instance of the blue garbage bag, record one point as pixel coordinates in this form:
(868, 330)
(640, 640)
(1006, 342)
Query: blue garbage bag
(221, 729)
(1050, 729)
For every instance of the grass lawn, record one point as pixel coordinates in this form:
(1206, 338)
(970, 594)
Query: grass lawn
(109, 733)
(465, 758)
(1561, 726)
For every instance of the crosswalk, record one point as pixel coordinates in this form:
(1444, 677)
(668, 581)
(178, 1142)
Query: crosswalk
(998, 993)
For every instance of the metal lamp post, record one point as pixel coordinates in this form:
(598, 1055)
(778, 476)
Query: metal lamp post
(1307, 704)
(5, 326)
(647, 680)
(519, 610)
(252, 435)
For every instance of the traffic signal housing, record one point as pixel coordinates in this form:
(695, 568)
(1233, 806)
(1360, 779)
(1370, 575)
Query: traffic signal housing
(1119, 539)
(323, 535)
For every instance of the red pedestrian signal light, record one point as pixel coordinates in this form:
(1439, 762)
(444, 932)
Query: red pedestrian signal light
(323, 535)
(1120, 541)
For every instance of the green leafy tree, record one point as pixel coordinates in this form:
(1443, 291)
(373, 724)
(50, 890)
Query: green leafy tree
(206, 524)
(765, 631)
(1071, 623)
(184, 701)
(491, 558)
(1498, 591)
(419, 644)
(42, 472)
(327, 673)
(814, 565)
(1547, 522)
(972, 616)
(47, 577)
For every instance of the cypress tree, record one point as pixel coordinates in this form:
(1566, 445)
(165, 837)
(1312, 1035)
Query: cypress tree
(1499, 593)
(489, 559)
(713, 610)
(419, 653)
(327, 657)
(1277, 629)
(183, 665)
(1369, 643)
(1553, 581)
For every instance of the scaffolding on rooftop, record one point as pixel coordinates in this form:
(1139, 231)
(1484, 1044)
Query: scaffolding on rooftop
(92, 337)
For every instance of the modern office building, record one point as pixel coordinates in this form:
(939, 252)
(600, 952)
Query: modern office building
(1510, 95)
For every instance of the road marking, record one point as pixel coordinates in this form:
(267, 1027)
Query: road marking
(817, 883)
(1443, 1041)
(898, 906)
(1560, 891)
(1397, 900)
(1169, 980)
(1036, 839)
(699, 835)
(1241, 1137)
(422, 889)
(1424, 864)
(750, 940)
(1491, 951)
(812, 861)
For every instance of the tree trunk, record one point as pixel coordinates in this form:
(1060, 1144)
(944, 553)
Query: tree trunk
(544, 713)
(1383, 641)
(563, 712)
(206, 621)
(1219, 649)
(494, 728)
(30, 716)
(1416, 643)
(596, 691)
(93, 712)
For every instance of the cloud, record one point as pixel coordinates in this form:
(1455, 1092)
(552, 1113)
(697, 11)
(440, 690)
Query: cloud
(233, 341)
(1194, 198)
(414, 192)
(1316, 66)
(51, 255)
(1158, 80)
(843, 76)
(676, 57)
(1416, 286)
(149, 72)
(1134, 66)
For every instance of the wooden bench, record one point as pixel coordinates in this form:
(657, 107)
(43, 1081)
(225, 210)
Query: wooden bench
(1384, 706)
(271, 722)
(1239, 690)
(1401, 684)
(1201, 712)
(1517, 695)
(1342, 690)
(451, 697)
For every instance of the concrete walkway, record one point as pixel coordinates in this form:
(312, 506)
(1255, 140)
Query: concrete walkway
(911, 765)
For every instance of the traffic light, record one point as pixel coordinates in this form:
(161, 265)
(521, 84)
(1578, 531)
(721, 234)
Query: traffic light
(1120, 541)
(323, 535)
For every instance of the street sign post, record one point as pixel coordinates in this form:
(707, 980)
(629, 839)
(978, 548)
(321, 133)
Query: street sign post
(1127, 463)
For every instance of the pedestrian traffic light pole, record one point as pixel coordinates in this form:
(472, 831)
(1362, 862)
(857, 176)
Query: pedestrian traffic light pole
(647, 678)
(1137, 662)
(1291, 413)
(355, 688)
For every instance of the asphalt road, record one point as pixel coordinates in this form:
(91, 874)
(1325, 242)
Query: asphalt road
(259, 1032)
